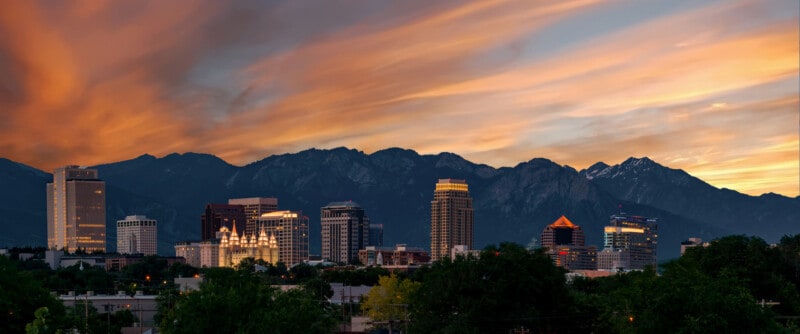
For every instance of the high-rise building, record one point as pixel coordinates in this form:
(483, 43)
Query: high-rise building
(218, 215)
(376, 235)
(562, 232)
(452, 220)
(345, 230)
(254, 207)
(137, 235)
(76, 210)
(630, 243)
(565, 243)
(290, 229)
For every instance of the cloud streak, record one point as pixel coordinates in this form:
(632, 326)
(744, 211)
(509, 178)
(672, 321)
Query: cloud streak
(709, 88)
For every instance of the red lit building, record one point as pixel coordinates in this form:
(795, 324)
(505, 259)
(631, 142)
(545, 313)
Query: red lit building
(565, 243)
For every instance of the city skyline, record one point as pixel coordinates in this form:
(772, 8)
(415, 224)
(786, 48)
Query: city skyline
(707, 87)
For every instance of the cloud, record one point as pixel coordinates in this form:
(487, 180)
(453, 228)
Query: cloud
(710, 88)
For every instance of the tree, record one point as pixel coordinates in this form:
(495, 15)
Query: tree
(21, 296)
(507, 287)
(231, 301)
(389, 300)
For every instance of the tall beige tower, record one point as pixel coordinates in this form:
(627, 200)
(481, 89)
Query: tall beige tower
(76, 210)
(452, 220)
(137, 235)
(290, 229)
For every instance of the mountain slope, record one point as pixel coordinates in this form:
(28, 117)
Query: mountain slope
(646, 182)
(395, 187)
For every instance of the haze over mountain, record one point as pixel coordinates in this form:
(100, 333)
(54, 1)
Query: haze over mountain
(395, 187)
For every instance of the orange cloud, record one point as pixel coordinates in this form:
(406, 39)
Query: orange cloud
(706, 89)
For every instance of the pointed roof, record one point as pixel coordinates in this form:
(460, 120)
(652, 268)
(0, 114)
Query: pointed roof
(563, 222)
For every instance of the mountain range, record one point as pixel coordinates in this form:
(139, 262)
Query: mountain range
(395, 187)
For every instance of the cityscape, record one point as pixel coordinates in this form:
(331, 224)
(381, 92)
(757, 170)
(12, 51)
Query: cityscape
(399, 166)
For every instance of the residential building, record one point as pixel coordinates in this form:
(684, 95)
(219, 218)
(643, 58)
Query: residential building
(565, 243)
(76, 210)
(635, 239)
(290, 229)
(254, 207)
(345, 230)
(216, 216)
(452, 217)
(137, 235)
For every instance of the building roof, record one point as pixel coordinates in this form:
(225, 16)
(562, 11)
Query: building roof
(563, 222)
(345, 204)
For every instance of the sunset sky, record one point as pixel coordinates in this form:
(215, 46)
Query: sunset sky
(708, 87)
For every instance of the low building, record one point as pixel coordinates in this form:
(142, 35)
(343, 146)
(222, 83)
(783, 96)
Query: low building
(692, 242)
(144, 307)
(189, 250)
(115, 262)
(614, 260)
(400, 255)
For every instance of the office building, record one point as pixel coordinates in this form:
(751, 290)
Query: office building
(376, 235)
(209, 253)
(631, 242)
(254, 207)
(565, 243)
(290, 229)
(217, 216)
(76, 210)
(452, 219)
(137, 235)
(190, 251)
(345, 230)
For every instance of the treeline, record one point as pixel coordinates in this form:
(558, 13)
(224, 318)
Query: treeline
(736, 284)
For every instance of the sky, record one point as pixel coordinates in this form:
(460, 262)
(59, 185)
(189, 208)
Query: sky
(709, 87)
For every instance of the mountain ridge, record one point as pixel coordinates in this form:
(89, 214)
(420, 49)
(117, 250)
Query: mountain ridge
(395, 187)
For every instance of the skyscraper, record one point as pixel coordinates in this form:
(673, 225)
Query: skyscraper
(376, 235)
(290, 228)
(565, 243)
(218, 215)
(137, 235)
(76, 210)
(254, 207)
(452, 219)
(345, 230)
(630, 243)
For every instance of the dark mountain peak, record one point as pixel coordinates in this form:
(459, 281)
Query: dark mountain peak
(598, 166)
(537, 163)
(643, 162)
(452, 160)
(145, 157)
(598, 169)
(6, 166)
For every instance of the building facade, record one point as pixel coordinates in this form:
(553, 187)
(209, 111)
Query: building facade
(76, 210)
(190, 251)
(452, 217)
(376, 235)
(345, 230)
(137, 235)
(216, 216)
(209, 253)
(399, 255)
(635, 238)
(253, 208)
(565, 243)
(290, 229)
(233, 249)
